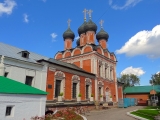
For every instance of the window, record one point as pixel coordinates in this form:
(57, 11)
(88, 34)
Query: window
(9, 110)
(99, 71)
(99, 91)
(74, 90)
(105, 72)
(25, 54)
(58, 88)
(87, 91)
(5, 74)
(29, 80)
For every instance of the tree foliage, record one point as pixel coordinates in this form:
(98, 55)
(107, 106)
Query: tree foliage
(129, 80)
(155, 79)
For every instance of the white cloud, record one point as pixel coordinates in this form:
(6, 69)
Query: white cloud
(158, 72)
(26, 18)
(77, 38)
(128, 3)
(136, 71)
(143, 43)
(53, 35)
(7, 7)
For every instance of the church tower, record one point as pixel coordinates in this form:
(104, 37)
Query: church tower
(92, 58)
(68, 37)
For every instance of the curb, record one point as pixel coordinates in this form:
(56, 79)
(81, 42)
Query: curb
(134, 116)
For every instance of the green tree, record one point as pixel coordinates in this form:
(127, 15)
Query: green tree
(155, 79)
(129, 80)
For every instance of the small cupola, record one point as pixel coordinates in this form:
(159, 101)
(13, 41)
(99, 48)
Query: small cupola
(81, 29)
(68, 37)
(90, 26)
(68, 34)
(102, 36)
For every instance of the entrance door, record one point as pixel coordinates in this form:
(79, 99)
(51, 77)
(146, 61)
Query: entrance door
(107, 96)
(58, 88)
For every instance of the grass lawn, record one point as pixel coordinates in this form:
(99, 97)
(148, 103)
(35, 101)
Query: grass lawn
(148, 114)
(152, 107)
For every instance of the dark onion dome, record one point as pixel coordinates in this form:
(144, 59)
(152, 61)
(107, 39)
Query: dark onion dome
(68, 34)
(102, 35)
(78, 42)
(81, 28)
(90, 26)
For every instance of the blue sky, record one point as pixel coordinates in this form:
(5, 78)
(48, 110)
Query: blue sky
(133, 27)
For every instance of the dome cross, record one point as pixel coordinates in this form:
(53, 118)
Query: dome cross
(69, 22)
(101, 23)
(85, 12)
(90, 13)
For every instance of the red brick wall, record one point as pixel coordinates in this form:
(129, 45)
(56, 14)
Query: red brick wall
(68, 85)
(87, 65)
(77, 63)
(103, 43)
(138, 96)
(77, 52)
(50, 81)
(120, 90)
(87, 49)
(59, 56)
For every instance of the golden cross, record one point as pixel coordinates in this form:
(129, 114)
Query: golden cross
(69, 21)
(85, 11)
(101, 23)
(90, 12)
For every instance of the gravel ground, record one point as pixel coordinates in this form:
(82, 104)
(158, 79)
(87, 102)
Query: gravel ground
(112, 114)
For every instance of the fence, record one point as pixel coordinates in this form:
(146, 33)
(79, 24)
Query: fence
(127, 102)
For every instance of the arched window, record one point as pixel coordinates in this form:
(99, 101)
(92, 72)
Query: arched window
(88, 88)
(106, 70)
(75, 86)
(59, 83)
(100, 68)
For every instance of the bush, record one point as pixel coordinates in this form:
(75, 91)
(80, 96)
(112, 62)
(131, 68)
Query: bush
(79, 95)
(91, 95)
(61, 94)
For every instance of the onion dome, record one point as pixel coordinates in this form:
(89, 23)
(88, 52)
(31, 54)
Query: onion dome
(68, 34)
(102, 35)
(81, 28)
(78, 42)
(90, 26)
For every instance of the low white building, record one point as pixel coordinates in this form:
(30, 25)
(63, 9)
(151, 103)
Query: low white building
(19, 101)
(22, 66)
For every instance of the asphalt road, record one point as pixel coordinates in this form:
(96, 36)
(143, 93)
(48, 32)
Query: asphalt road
(112, 114)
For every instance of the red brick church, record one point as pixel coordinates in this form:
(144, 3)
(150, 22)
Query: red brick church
(95, 71)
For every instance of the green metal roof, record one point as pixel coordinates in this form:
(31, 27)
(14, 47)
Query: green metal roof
(9, 86)
(141, 89)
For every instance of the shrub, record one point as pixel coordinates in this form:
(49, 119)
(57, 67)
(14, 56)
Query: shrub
(79, 95)
(61, 94)
(91, 95)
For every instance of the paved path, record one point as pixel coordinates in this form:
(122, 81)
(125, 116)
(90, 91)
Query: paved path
(112, 114)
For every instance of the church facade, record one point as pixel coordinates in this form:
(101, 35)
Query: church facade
(93, 58)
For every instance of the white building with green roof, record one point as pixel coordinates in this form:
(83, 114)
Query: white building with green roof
(19, 101)
(22, 66)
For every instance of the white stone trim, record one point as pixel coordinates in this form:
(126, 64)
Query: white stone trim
(85, 47)
(88, 81)
(72, 54)
(57, 55)
(65, 53)
(75, 79)
(59, 75)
